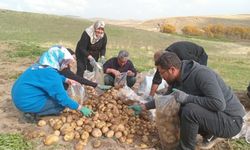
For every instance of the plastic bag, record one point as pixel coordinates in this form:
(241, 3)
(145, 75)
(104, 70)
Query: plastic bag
(121, 81)
(96, 75)
(167, 121)
(89, 75)
(245, 130)
(99, 75)
(126, 93)
(77, 93)
(145, 86)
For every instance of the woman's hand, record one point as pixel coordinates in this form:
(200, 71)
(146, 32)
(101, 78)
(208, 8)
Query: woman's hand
(71, 82)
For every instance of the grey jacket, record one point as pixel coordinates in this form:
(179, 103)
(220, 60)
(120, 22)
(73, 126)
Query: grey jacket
(207, 89)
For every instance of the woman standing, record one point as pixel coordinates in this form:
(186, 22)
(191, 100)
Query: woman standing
(91, 47)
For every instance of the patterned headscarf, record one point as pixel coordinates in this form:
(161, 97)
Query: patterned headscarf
(57, 57)
(91, 31)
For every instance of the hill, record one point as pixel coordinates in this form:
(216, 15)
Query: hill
(180, 22)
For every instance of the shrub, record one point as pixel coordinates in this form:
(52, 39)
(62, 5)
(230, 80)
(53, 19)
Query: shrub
(168, 28)
(191, 30)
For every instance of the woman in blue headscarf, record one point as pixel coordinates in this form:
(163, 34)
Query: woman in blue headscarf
(39, 90)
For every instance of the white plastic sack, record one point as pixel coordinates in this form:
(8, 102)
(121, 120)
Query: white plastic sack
(126, 93)
(145, 86)
(77, 92)
(96, 75)
(245, 130)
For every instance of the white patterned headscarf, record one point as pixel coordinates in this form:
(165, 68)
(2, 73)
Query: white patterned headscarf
(91, 31)
(57, 57)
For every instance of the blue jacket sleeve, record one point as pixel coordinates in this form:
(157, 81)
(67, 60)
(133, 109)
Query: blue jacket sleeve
(54, 88)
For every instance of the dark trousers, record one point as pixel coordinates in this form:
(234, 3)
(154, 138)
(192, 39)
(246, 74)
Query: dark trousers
(51, 108)
(203, 59)
(109, 80)
(83, 65)
(195, 119)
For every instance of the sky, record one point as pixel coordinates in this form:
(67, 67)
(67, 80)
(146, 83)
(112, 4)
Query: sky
(130, 9)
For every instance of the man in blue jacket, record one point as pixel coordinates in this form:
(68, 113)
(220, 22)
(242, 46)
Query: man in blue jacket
(208, 106)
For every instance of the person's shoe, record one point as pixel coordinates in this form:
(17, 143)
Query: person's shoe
(209, 141)
(30, 118)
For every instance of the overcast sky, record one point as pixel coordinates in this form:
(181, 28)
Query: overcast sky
(130, 9)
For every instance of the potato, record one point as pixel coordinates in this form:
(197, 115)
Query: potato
(105, 129)
(51, 139)
(110, 134)
(79, 145)
(52, 122)
(120, 127)
(79, 122)
(64, 119)
(129, 141)
(41, 123)
(85, 135)
(96, 143)
(58, 125)
(122, 139)
(69, 136)
(145, 139)
(87, 128)
(100, 124)
(57, 132)
(69, 119)
(143, 145)
(118, 134)
(96, 132)
(66, 128)
(77, 135)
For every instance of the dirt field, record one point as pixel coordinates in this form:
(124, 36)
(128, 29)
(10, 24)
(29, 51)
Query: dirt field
(10, 116)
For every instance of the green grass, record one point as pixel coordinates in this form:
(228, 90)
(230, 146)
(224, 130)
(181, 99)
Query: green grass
(14, 142)
(31, 34)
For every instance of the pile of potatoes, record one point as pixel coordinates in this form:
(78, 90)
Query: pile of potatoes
(167, 121)
(111, 118)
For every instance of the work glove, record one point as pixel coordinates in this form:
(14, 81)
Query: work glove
(149, 98)
(104, 87)
(136, 108)
(86, 111)
(92, 61)
(180, 96)
(102, 60)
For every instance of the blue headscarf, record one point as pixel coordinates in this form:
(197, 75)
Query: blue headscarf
(56, 57)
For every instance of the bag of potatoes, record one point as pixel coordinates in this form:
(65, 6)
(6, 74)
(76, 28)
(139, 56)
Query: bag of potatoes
(167, 121)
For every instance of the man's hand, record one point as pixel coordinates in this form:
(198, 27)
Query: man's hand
(136, 108)
(130, 73)
(92, 61)
(86, 111)
(104, 87)
(116, 73)
(180, 96)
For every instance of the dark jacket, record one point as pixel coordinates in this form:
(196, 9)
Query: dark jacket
(206, 89)
(113, 63)
(185, 51)
(84, 48)
(71, 75)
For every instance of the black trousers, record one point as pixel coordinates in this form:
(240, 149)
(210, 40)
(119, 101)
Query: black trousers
(195, 119)
(203, 59)
(82, 65)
